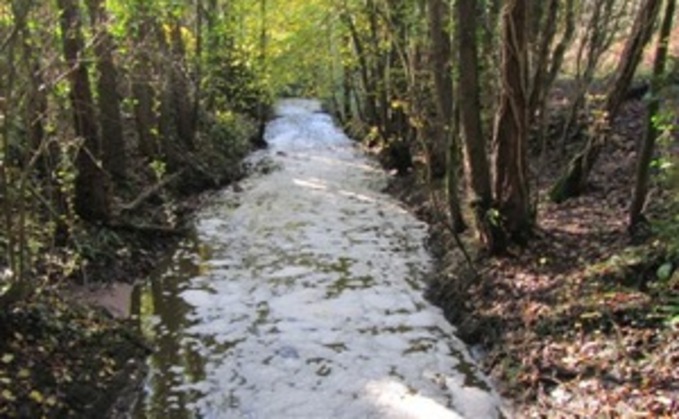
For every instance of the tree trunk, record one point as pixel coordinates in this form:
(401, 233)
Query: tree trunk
(347, 92)
(198, 67)
(35, 105)
(46, 154)
(545, 32)
(647, 146)
(144, 97)
(12, 246)
(574, 181)
(476, 158)
(370, 105)
(512, 197)
(113, 142)
(91, 191)
(168, 111)
(378, 70)
(179, 86)
(443, 94)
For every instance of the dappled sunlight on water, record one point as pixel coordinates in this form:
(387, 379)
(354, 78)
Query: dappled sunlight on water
(300, 298)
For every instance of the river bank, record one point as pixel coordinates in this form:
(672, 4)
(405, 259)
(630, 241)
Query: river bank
(69, 346)
(579, 323)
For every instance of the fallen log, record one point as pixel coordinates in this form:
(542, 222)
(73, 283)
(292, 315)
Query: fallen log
(148, 193)
(161, 230)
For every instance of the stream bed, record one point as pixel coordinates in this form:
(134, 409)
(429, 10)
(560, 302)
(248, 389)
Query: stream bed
(301, 297)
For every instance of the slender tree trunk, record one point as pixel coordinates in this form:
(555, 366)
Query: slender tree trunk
(169, 139)
(631, 56)
(370, 106)
(648, 144)
(145, 115)
(110, 117)
(545, 33)
(512, 197)
(259, 141)
(574, 181)
(441, 66)
(444, 144)
(198, 78)
(347, 94)
(476, 158)
(36, 100)
(91, 189)
(179, 86)
(378, 70)
(7, 195)
(46, 155)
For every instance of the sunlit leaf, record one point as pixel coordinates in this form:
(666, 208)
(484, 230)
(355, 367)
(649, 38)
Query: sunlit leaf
(8, 395)
(36, 396)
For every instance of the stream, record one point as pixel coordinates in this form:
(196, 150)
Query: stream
(301, 297)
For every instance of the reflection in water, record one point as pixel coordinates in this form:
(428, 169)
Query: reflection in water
(163, 318)
(308, 304)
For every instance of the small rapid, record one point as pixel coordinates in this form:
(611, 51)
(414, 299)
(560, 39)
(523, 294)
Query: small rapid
(301, 297)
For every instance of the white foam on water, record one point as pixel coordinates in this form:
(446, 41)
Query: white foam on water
(309, 307)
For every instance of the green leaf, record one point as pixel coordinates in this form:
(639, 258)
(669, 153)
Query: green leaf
(665, 271)
(7, 358)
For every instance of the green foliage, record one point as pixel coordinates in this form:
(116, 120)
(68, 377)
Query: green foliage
(231, 84)
(670, 311)
(224, 139)
(96, 244)
(664, 272)
(159, 168)
(229, 132)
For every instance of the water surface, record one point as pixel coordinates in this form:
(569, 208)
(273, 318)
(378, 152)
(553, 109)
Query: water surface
(301, 297)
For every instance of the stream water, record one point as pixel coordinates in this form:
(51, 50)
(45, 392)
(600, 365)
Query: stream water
(301, 297)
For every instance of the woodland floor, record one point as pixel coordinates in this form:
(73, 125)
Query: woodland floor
(571, 325)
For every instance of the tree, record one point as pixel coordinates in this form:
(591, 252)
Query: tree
(182, 105)
(108, 99)
(142, 90)
(511, 188)
(444, 142)
(476, 158)
(640, 190)
(91, 189)
(575, 180)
